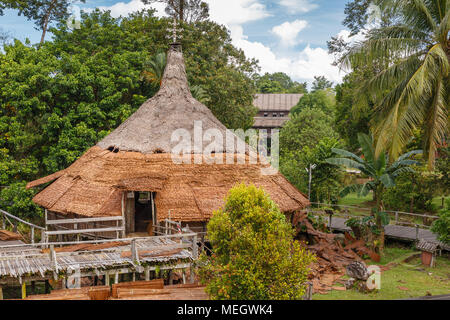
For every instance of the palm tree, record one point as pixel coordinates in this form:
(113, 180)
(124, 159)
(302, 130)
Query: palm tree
(154, 69)
(382, 174)
(411, 87)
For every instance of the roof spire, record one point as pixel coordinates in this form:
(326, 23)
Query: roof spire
(173, 30)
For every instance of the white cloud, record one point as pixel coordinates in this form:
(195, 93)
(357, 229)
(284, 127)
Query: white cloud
(232, 12)
(124, 9)
(298, 6)
(302, 66)
(288, 31)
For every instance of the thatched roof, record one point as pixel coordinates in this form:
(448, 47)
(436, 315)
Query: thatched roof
(137, 157)
(149, 129)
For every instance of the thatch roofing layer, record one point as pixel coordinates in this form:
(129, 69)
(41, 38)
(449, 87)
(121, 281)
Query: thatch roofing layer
(93, 185)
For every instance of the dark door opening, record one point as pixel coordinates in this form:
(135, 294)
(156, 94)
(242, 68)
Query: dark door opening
(145, 212)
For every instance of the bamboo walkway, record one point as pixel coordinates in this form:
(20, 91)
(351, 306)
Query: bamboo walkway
(394, 232)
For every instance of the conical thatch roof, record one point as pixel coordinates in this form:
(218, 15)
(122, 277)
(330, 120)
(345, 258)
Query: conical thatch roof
(149, 129)
(137, 157)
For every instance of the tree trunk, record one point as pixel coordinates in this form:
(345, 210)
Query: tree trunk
(46, 21)
(379, 191)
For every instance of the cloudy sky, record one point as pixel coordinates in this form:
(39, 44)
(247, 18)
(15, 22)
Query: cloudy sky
(284, 35)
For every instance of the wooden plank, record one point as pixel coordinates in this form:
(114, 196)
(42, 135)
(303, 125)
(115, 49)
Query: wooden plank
(100, 230)
(83, 220)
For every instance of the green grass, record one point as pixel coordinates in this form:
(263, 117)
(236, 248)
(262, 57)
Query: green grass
(352, 199)
(419, 280)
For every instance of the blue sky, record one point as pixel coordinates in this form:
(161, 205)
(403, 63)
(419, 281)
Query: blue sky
(284, 35)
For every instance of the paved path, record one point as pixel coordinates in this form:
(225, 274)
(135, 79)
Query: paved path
(393, 231)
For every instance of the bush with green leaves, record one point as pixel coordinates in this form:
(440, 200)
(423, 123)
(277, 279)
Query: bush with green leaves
(16, 199)
(413, 191)
(442, 226)
(255, 256)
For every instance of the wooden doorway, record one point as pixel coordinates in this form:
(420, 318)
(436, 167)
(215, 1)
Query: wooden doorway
(140, 213)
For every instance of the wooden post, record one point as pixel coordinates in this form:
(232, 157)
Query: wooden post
(116, 278)
(107, 279)
(32, 234)
(184, 276)
(33, 287)
(396, 217)
(147, 273)
(134, 252)
(47, 287)
(1, 293)
(195, 248)
(3, 222)
(24, 290)
(417, 232)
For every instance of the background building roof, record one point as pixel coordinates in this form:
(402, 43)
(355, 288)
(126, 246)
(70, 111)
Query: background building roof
(276, 102)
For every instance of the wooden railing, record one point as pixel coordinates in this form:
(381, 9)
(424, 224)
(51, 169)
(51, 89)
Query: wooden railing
(119, 229)
(7, 217)
(395, 215)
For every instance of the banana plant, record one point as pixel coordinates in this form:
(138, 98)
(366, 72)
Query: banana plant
(380, 172)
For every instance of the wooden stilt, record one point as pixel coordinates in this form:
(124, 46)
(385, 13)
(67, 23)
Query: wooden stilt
(47, 287)
(1, 293)
(116, 278)
(24, 290)
(147, 273)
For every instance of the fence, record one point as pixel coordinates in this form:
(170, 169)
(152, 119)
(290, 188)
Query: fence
(396, 216)
(7, 217)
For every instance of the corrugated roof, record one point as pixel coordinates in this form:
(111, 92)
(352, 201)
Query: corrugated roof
(276, 102)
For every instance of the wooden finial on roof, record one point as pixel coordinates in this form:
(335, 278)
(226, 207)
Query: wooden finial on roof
(173, 30)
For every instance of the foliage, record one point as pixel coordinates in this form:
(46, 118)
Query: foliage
(377, 168)
(442, 226)
(185, 10)
(413, 191)
(16, 199)
(255, 256)
(443, 169)
(323, 100)
(321, 83)
(306, 128)
(326, 178)
(278, 82)
(154, 69)
(353, 113)
(412, 54)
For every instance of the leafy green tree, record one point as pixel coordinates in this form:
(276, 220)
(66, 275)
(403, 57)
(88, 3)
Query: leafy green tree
(376, 167)
(323, 100)
(15, 200)
(353, 113)
(442, 226)
(326, 178)
(306, 128)
(413, 56)
(321, 83)
(278, 82)
(413, 191)
(255, 256)
(185, 10)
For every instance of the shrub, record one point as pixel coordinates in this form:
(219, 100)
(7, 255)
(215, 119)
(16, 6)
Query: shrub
(442, 226)
(255, 256)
